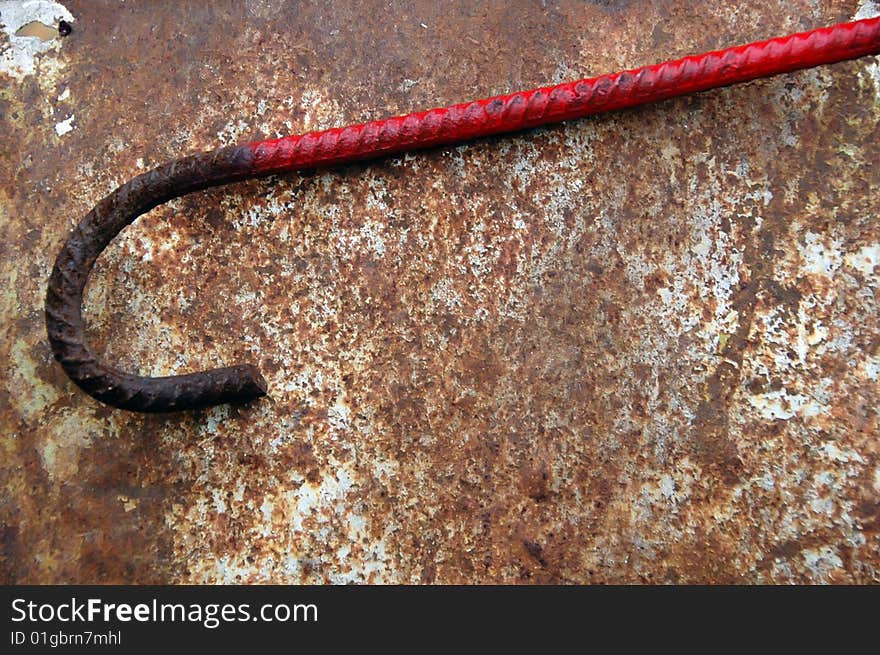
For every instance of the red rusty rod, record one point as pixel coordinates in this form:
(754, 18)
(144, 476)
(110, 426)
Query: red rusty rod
(425, 129)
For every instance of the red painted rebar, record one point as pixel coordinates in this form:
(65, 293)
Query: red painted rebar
(570, 100)
(435, 127)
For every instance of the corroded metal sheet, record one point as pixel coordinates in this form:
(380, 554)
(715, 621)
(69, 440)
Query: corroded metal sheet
(641, 347)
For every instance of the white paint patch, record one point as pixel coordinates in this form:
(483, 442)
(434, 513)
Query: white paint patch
(64, 95)
(19, 58)
(326, 496)
(266, 510)
(319, 113)
(870, 9)
(778, 404)
(872, 368)
(819, 259)
(835, 454)
(339, 415)
(867, 9)
(865, 260)
(232, 131)
(667, 486)
(64, 126)
(821, 561)
(671, 491)
(385, 469)
(371, 236)
(872, 72)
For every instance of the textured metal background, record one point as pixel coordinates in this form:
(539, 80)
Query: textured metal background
(642, 347)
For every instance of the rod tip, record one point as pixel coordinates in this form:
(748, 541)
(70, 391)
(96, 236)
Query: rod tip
(255, 385)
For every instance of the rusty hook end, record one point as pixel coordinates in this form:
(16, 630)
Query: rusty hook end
(64, 294)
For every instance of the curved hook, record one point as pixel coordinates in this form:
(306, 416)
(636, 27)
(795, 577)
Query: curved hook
(455, 124)
(64, 321)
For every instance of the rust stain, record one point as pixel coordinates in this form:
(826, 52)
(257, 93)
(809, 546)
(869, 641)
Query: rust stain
(638, 348)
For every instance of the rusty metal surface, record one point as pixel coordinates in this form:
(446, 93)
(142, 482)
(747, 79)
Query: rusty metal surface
(642, 347)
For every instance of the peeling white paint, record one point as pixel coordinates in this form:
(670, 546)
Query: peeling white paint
(872, 71)
(778, 404)
(865, 260)
(339, 415)
(872, 368)
(319, 112)
(819, 259)
(867, 9)
(870, 9)
(385, 468)
(232, 131)
(64, 126)
(668, 493)
(667, 486)
(822, 561)
(835, 454)
(19, 58)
